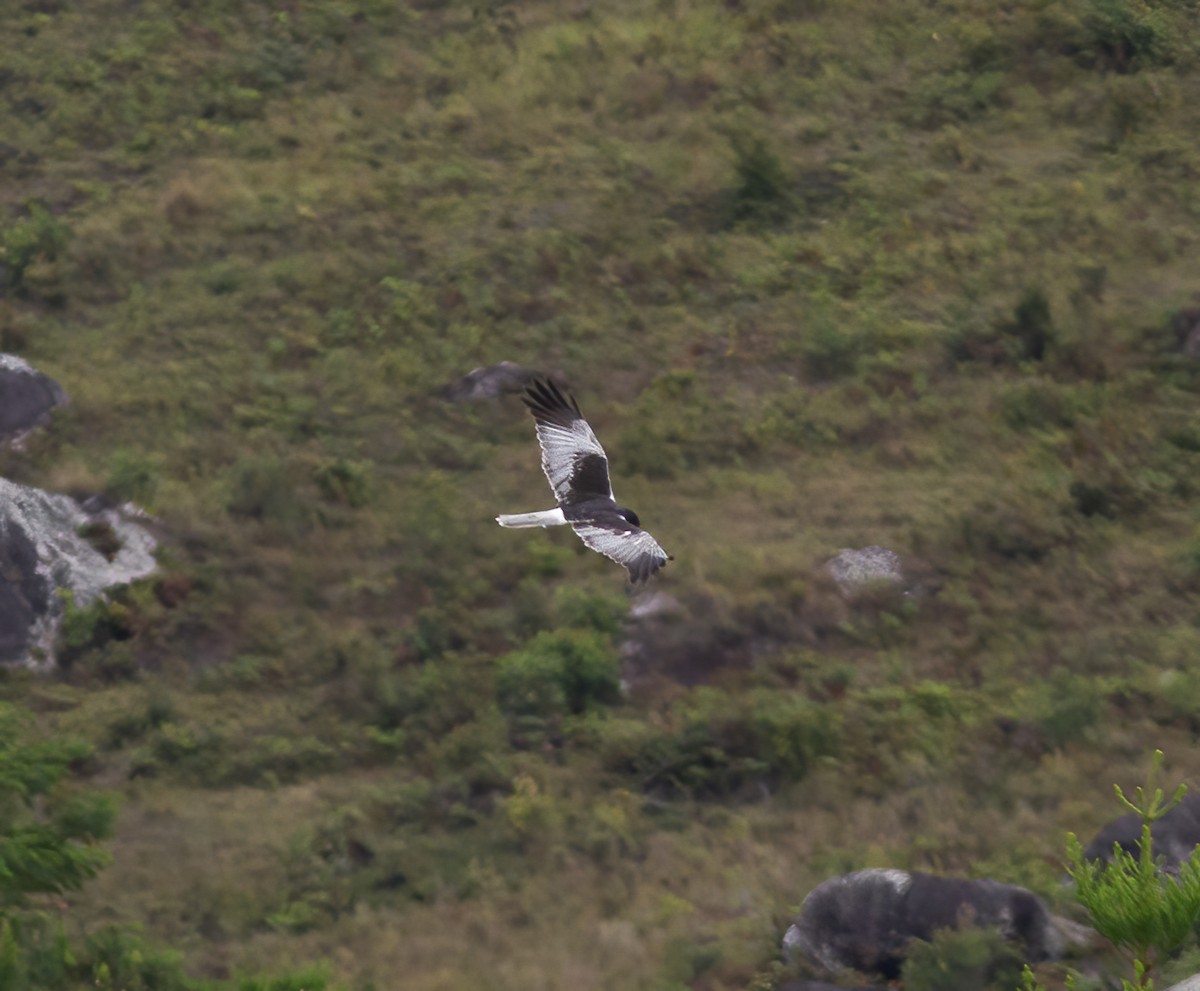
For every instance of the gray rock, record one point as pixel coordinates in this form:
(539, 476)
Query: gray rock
(1173, 837)
(42, 554)
(865, 920)
(1191, 984)
(487, 383)
(26, 398)
(854, 569)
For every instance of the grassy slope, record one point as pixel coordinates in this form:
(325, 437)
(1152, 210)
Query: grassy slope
(290, 225)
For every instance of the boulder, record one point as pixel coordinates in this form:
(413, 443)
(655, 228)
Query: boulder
(1173, 837)
(866, 919)
(1191, 984)
(45, 550)
(487, 383)
(857, 568)
(26, 398)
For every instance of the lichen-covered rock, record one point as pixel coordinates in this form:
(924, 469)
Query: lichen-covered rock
(488, 382)
(857, 568)
(26, 398)
(866, 920)
(42, 552)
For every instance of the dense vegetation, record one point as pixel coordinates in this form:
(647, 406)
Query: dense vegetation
(822, 275)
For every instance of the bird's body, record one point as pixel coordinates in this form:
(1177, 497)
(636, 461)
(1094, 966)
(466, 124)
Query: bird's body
(577, 469)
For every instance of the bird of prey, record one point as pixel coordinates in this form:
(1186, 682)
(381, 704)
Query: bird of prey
(577, 468)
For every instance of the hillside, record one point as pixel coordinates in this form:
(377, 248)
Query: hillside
(821, 275)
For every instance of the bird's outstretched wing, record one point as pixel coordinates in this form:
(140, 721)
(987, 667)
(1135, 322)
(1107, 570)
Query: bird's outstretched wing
(632, 548)
(572, 458)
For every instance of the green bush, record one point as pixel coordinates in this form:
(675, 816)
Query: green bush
(979, 959)
(133, 477)
(762, 180)
(265, 488)
(581, 609)
(344, 482)
(558, 673)
(40, 235)
(1022, 528)
(720, 744)
(1127, 35)
(1028, 335)
(1069, 708)
(945, 97)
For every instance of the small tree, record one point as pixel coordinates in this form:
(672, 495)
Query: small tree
(47, 838)
(1144, 912)
(48, 845)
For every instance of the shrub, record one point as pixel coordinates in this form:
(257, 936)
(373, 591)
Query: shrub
(1070, 709)
(832, 349)
(762, 180)
(344, 482)
(1025, 530)
(40, 235)
(979, 959)
(1037, 405)
(93, 628)
(1030, 331)
(558, 673)
(1127, 35)
(941, 98)
(102, 537)
(580, 609)
(133, 477)
(1028, 335)
(721, 744)
(265, 489)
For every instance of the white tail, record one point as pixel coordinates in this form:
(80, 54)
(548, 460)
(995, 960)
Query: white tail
(547, 517)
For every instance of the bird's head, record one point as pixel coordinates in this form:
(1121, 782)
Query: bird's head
(630, 517)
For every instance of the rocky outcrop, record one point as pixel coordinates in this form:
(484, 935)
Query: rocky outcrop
(1173, 837)
(26, 398)
(487, 383)
(45, 550)
(865, 920)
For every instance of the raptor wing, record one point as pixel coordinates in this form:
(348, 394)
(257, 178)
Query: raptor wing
(572, 458)
(631, 547)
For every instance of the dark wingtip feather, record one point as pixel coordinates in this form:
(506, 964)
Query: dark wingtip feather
(546, 400)
(645, 567)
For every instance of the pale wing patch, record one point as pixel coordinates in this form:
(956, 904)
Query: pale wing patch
(635, 550)
(562, 447)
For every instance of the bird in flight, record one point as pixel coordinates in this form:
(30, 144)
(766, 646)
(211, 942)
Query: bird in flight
(577, 468)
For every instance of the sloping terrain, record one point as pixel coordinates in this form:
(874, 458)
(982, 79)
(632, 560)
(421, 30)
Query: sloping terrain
(822, 275)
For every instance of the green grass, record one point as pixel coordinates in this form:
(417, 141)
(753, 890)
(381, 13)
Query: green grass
(822, 276)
